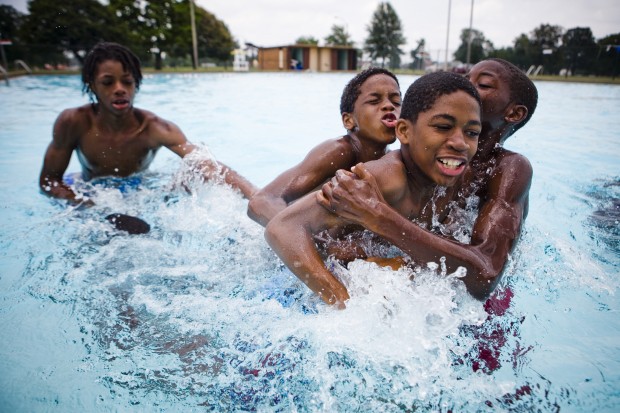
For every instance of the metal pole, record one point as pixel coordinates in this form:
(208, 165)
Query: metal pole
(194, 38)
(471, 19)
(448, 35)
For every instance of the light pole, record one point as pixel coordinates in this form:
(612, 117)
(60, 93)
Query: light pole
(194, 39)
(445, 66)
(471, 19)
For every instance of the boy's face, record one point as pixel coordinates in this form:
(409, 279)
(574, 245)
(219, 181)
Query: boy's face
(376, 110)
(114, 87)
(443, 139)
(491, 80)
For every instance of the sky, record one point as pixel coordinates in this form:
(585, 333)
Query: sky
(279, 22)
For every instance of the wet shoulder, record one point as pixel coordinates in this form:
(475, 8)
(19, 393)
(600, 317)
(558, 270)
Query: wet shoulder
(73, 123)
(389, 172)
(153, 124)
(513, 163)
(337, 153)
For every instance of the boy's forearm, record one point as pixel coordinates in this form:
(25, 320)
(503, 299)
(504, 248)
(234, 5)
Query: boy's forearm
(424, 246)
(237, 181)
(296, 248)
(264, 206)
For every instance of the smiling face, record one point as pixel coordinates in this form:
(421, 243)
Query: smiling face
(443, 139)
(114, 87)
(376, 110)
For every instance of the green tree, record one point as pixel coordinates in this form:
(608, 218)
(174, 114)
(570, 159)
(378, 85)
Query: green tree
(579, 50)
(417, 55)
(54, 27)
(10, 20)
(164, 29)
(10, 23)
(385, 36)
(545, 41)
(608, 56)
(152, 24)
(307, 40)
(215, 42)
(339, 37)
(480, 46)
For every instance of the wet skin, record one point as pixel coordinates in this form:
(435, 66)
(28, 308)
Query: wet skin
(370, 129)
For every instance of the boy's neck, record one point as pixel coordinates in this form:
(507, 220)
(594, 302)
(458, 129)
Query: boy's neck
(367, 150)
(488, 143)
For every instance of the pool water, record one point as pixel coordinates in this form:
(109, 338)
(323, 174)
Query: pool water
(200, 315)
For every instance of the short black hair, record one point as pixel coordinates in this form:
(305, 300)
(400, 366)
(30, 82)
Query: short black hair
(353, 89)
(423, 93)
(522, 89)
(109, 51)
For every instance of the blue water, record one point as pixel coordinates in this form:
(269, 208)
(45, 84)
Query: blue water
(199, 315)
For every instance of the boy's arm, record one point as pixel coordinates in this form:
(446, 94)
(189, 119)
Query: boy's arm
(319, 165)
(57, 158)
(290, 234)
(171, 136)
(495, 231)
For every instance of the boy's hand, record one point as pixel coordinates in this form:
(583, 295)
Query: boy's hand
(354, 196)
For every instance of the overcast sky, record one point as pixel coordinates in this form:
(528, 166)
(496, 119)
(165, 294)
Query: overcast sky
(278, 22)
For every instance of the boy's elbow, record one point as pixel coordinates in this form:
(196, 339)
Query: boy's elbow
(484, 283)
(272, 232)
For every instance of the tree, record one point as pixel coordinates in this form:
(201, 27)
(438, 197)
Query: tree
(418, 54)
(480, 46)
(608, 56)
(214, 39)
(385, 36)
(544, 47)
(10, 23)
(151, 24)
(339, 37)
(579, 50)
(307, 40)
(57, 27)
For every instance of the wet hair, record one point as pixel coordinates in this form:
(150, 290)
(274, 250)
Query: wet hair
(353, 89)
(522, 90)
(424, 92)
(109, 51)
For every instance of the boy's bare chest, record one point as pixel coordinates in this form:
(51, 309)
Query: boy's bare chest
(427, 211)
(114, 154)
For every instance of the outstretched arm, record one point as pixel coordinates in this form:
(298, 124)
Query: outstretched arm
(171, 136)
(319, 165)
(290, 234)
(355, 197)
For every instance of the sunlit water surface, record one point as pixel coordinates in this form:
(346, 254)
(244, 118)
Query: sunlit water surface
(200, 315)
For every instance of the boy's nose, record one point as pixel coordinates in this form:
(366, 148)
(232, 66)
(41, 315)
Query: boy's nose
(458, 141)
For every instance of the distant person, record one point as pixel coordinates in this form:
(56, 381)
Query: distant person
(499, 177)
(369, 106)
(112, 137)
(438, 132)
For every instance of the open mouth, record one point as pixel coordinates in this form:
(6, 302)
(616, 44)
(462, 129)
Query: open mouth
(452, 166)
(389, 120)
(120, 103)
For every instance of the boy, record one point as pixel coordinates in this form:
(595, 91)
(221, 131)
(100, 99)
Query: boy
(110, 136)
(500, 178)
(438, 131)
(369, 106)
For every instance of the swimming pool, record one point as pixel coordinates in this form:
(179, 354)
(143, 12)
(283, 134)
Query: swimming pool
(199, 315)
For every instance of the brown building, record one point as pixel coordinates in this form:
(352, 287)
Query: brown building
(307, 57)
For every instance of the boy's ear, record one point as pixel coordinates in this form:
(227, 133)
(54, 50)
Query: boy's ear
(348, 121)
(403, 129)
(516, 114)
